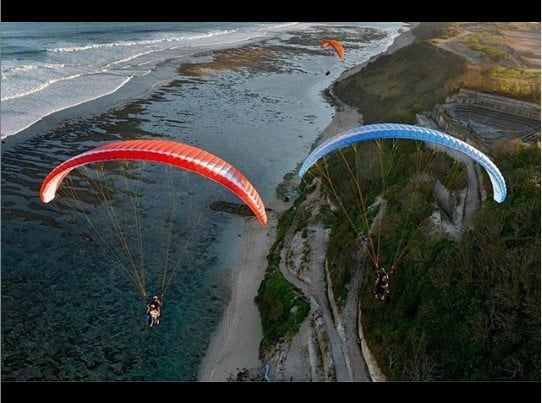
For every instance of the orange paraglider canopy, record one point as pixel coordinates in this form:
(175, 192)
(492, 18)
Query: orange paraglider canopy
(335, 45)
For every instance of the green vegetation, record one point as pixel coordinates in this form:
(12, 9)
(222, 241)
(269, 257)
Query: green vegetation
(393, 88)
(506, 81)
(282, 307)
(457, 311)
(469, 310)
(404, 173)
(487, 43)
(506, 73)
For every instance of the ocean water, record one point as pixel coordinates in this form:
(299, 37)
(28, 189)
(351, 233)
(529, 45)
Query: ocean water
(48, 67)
(68, 313)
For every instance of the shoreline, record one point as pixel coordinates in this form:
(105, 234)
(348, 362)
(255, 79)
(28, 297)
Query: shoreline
(235, 344)
(136, 89)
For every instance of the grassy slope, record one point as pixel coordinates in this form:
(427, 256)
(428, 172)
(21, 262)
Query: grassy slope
(506, 81)
(393, 88)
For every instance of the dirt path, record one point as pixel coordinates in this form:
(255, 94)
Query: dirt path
(340, 328)
(472, 194)
(468, 206)
(349, 318)
(314, 285)
(349, 334)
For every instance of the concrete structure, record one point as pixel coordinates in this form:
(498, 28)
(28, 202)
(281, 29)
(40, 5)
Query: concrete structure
(484, 119)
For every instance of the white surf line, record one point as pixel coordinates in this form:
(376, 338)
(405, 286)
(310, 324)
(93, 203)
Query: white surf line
(3, 136)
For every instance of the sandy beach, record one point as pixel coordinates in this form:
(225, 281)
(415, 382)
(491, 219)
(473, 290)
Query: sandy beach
(235, 344)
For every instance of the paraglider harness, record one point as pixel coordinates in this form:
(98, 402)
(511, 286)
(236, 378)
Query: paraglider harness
(381, 288)
(154, 308)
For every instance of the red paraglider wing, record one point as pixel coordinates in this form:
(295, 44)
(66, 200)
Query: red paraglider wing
(335, 45)
(168, 152)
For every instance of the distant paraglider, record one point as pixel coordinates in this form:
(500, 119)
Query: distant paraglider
(336, 45)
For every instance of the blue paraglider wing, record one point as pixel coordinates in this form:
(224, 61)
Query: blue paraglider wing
(402, 131)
